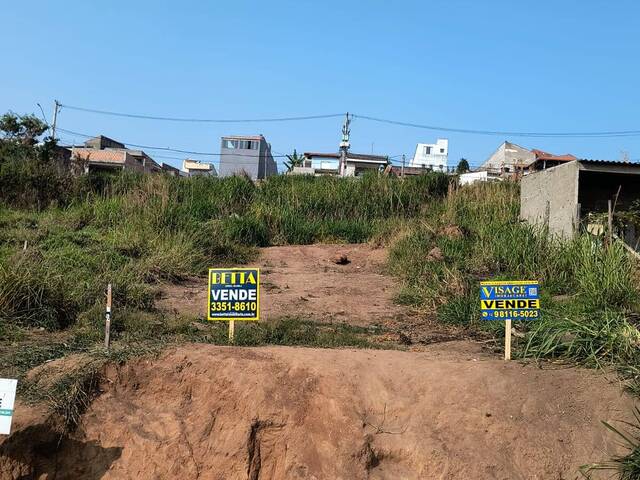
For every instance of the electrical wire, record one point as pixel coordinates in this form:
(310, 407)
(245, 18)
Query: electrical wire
(169, 149)
(601, 134)
(621, 133)
(201, 120)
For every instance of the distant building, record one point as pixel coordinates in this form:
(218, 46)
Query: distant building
(473, 177)
(195, 168)
(546, 160)
(513, 161)
(560, 198)
(328, 164)
(101, 142)
(509, 160)
(433, 156)
(248, 154)
(89, 160)
(103, 153)
(171, 170)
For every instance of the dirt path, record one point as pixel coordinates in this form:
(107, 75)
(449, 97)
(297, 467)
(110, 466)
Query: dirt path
(450, 412)
(305, 281)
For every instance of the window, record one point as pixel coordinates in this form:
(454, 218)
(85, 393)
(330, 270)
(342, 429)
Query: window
(442, 150)
(241, 144)
(427, 150)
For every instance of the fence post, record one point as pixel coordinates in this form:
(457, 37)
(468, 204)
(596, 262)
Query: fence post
(610, 222)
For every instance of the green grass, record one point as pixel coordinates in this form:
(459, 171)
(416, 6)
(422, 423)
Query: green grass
(625, 467)
(590, 291)
(136, 231)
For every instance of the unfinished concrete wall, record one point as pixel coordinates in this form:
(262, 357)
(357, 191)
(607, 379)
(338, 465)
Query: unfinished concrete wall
(550, 198)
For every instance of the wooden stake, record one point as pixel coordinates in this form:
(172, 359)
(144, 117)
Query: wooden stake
(610, 221)
(107, 325)
(507, 339)
(232, 329)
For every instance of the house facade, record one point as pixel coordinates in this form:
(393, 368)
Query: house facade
(433, 156)
(196, 168)
(103, 153)
(246, 154)
(508, 161)
(356, 164)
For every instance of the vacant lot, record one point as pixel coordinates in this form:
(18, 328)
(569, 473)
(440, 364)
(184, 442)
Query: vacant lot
(449, 412)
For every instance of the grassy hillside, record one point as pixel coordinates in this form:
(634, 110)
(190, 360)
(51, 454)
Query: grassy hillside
(134, 231)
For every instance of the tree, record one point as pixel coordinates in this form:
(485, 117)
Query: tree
(463, 166)
(23, 129)
(295, 160)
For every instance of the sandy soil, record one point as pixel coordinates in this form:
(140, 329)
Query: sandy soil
(450, 412)
(447, 411)
(305, 281)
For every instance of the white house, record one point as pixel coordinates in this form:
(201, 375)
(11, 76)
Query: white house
(432, 155)
(473, 177)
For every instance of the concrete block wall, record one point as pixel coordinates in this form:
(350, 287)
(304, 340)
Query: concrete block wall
(550, 198)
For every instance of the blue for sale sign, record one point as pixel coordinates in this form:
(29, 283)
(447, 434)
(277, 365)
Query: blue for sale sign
(510, 300)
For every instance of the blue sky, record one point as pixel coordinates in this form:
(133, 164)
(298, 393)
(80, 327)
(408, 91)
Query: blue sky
(497, 65)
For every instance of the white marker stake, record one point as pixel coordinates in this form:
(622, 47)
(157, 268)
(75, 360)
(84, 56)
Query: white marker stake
(7, 399)
(107, 322)
(232, 328)
(507, 339)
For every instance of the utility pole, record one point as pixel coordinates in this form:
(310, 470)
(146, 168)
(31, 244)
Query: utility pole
(56, 107)
(344, 145)
(402, 172)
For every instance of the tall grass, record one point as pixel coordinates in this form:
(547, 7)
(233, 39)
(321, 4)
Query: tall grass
(135, 231)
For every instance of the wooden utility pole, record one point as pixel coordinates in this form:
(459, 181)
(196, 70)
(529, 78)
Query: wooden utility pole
(56, 107)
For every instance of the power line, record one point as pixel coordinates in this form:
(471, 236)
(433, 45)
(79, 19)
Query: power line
(168, 149)
(621, 133)
(603, 134)
(201, 120)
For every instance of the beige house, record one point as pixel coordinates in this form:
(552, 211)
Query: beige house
(194, 168)
(509, 160)
(103, 154)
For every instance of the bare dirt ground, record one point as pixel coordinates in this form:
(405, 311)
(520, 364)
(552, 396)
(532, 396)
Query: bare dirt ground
(305, 281)
(449, 412)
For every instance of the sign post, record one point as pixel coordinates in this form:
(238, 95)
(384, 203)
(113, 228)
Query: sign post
(7, 399)
(509, 300)
(234, 294)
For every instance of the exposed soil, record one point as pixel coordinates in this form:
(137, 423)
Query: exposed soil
(308, 281)
(449, 412)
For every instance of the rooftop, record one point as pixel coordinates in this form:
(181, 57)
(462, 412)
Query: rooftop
(102, 156)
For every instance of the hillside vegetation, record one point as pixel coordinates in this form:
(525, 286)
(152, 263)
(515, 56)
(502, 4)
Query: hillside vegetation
(63, 238)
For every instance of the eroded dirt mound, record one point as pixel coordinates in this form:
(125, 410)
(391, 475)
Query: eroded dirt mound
(309, 281)
(268, 413)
